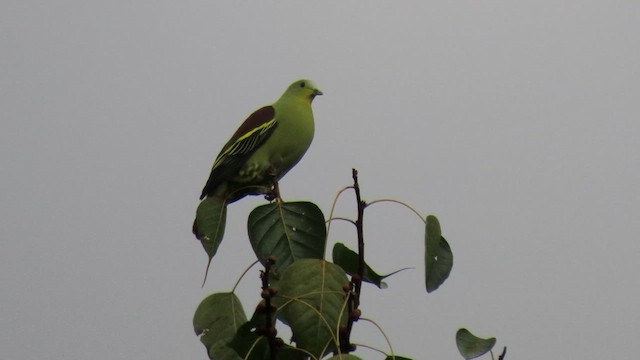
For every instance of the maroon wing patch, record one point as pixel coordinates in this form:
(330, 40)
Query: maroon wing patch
(258, 118)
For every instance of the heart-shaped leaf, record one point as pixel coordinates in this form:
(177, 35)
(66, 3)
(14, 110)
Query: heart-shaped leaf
(248, 344)
(217, 318)
(471, 346)
(208, 227)
(222, 351)
(438, 255)
(289, 231)
(348, 260)
(311, 301)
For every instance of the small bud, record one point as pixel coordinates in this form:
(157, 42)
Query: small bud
(355, 314)
(273, 291)
(272, 332)
(261, 308)
(346, 287)
(265, 293)
(356, 278)
(271, 259)
(279, 342)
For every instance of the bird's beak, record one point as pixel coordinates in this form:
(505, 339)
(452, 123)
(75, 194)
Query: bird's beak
(317, 92)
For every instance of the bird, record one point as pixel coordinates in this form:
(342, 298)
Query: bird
(270, 142)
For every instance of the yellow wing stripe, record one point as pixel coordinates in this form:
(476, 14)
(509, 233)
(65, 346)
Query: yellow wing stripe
(245, 143)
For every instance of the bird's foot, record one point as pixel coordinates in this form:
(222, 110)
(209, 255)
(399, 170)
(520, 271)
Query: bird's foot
(274, 193)
(269, 195)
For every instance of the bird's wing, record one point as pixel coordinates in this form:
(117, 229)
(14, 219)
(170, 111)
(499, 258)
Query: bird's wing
(255, 130)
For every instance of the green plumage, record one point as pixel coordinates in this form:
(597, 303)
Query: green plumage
(266, 146)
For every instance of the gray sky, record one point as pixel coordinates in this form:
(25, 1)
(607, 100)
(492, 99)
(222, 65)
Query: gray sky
(516, 123)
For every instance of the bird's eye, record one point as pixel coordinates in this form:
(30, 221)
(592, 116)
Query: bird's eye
(302, 84)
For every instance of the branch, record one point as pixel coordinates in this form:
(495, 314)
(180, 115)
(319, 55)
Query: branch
(504, 353)
(359, 229)
(353, 300)
(401, 203)
(267, 293)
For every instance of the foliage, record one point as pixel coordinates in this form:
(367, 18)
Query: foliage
(438, 255)
(471, 346)
(289, 231)
(315, 298)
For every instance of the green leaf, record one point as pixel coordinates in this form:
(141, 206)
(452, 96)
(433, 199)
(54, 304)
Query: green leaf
(217, 318)
(344, 357)
(209, 224)
(348, 260)
(222, 351)
(311, 301)
(248, 344)
(289, 231)
(432, 243)
(444, 262)
(471, 346)
(291, 353)
(251, 346)
(438, 255)
(395, 357)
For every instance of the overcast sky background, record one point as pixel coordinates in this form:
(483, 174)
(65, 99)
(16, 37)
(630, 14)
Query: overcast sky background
(517, 123)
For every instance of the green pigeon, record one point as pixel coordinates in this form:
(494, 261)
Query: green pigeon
(265, 147)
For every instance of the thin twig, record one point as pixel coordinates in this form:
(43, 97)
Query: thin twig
(270, 331)
(243, 274)
(386, 338)
(370, 348)
(504, 353)
(342, 219)
(333, 207)
(356, 279)
(401, 203)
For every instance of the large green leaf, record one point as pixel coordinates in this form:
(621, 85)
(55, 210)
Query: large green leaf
(395, 357)
(289, 231)
(252, 346)
(291, 353)
(348, 260)
(248, 344)
(217, 318)
(438, 255)
(248, 341)
(311, 301)
(471, 346)
(208, 227)
(222, 351)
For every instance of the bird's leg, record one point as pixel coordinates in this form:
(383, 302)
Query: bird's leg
(274, 193)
